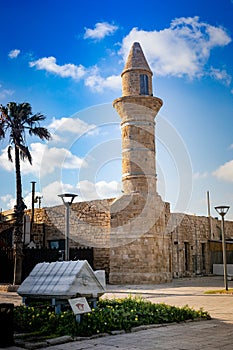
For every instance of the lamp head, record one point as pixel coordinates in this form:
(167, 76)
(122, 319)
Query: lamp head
(222, 209)
(67, 198)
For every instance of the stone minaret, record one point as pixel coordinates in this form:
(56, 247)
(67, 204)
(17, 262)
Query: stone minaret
(138, 242)
(137, 109)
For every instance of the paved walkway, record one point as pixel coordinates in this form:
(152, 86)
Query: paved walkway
(208, 335)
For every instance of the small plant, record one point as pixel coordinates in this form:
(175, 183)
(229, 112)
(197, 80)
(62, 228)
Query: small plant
(110, 315)
(220, 291)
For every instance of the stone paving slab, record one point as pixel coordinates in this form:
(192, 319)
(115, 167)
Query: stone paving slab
(191, 336)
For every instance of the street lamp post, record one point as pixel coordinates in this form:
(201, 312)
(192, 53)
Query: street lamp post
(222, 210)
(67, 199)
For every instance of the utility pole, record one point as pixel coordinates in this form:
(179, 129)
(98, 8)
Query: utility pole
(209, 214)
(222, 210)
(33, 204)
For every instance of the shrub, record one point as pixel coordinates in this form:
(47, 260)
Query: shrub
(110, 315)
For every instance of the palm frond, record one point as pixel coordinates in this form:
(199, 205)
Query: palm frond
(2, 132)
(25, 153)
(38, 117)
(24, 111)
(9, 154)
(34, 120)
(12, 109)
(17, 119)
(4, 111)
(4, 119)
(41, 132)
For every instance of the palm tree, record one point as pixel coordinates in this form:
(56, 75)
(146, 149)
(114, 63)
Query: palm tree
(16, 121)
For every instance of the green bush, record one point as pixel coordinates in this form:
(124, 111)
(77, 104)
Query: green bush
(110, 315)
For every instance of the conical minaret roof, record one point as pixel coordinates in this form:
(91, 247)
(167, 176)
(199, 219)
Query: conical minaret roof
(136, 59)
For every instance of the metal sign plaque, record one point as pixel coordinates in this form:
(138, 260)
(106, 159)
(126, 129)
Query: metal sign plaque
(79, 306)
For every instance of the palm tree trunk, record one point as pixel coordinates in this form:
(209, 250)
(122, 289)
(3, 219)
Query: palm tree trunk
(18, 225)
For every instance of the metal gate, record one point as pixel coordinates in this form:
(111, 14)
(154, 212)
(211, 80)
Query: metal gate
(6, 265)
(35, 256)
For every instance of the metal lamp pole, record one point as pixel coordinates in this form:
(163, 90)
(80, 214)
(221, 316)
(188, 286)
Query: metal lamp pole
(222, 210)
(67, 199)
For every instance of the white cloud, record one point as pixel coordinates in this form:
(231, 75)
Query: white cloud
(99, 84)
(225, 172)
(217, 36)
(14, 53)
(182, 49)
(4, 162)
(220, 75)
(8, 200)
(48, 160)
(55, 138)
(28, 199)
(50, 193)
(198, 175)
(102, 189)
(4, 93)
(73, 125)
(68, 70)
(108, 189)
(91, 75)
(100, 31)
(86, 190)
(45, 160)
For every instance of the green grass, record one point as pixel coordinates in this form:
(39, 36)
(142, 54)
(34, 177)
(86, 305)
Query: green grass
(219, 291)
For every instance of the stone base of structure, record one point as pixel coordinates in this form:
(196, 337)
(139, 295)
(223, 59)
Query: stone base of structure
(140, 278)
(138, 241)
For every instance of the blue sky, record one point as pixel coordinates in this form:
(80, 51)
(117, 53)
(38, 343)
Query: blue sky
(65, 59)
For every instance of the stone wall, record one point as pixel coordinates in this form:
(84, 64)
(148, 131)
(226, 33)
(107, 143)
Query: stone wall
(89, 227)
(185, 245)
(191, 242)
(89, 223)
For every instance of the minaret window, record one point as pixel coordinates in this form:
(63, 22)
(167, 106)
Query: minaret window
(144, 86)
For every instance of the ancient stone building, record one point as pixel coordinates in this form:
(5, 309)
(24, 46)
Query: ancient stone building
(134, 237)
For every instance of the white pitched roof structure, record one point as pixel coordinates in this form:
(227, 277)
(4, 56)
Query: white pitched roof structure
(62, 280)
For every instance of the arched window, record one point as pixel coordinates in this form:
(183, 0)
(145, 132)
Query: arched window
(144, 86)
